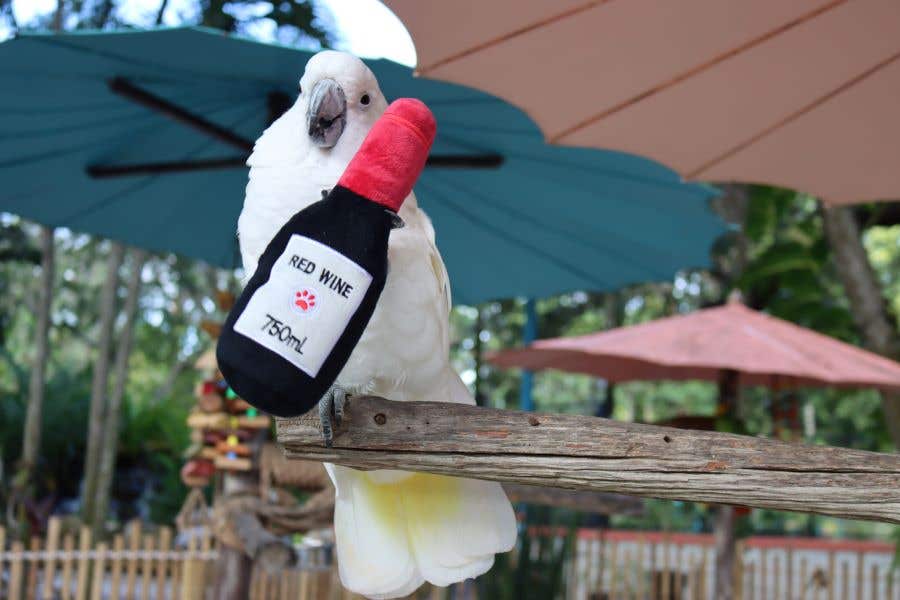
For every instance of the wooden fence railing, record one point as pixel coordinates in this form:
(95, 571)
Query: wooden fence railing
(605, 565)
(138, 565)
(623, 565)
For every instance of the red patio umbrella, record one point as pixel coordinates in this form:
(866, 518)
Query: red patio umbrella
(707, 344)
(731, 344)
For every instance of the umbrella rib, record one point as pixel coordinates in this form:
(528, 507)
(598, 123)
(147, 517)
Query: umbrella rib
(612, 174)
(557, 137)
(512, 34)
(696, 173)
(128, 90)
(112, 199)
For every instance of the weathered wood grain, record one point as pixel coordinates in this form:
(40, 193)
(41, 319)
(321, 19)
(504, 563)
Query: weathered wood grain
(589, 453)
(601, 503)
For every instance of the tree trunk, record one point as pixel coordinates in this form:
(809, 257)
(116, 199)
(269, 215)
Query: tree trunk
(58, 16)
(266, 549)
(97, 415)
(31, 440)
(723, 519)
(723, 529)
(160, 13)
(110, 443)
(233, 568)
(868, 306)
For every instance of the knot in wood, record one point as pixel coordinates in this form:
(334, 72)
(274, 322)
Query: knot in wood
(533, 421)
(380, 419)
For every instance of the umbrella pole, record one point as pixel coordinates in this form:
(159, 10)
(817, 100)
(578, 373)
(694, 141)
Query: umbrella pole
(529, 333)
(723, 520)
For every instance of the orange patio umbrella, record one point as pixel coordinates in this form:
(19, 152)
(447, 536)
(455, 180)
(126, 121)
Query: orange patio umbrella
(708, 344)
(801, 95)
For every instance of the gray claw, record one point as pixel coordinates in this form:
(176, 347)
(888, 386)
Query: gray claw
(339, 397)
(332, 404)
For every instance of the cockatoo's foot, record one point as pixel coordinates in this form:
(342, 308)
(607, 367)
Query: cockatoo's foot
(332, 405)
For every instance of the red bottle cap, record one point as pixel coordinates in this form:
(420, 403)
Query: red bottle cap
(393, 154)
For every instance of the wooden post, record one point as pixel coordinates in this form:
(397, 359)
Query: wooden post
(99, 571)
(84, 546)
(165, 545)
(118, 548)
(15, 570)
(832, 580)
(704, 565)
(134, 544)
(739, 572)
(34, 565)
(147, 567)
(789, 574)
(845, 580)
(613, 569)
(803, 573)
(874, 581)
(53, 528)
(188, 588)
(666, 572)
(641, 573)
(860, 574)
(590, 453)
(68, 548)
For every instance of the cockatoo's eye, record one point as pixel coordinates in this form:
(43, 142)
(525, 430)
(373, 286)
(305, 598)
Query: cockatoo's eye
(364, 100)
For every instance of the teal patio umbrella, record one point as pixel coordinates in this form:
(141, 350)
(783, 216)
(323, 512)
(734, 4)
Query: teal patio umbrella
(141, 137)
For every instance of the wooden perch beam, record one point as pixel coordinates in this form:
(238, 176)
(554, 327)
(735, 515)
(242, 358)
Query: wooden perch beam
(598, 503)
(589, 453)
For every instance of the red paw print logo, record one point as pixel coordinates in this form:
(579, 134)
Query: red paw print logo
(305, 301)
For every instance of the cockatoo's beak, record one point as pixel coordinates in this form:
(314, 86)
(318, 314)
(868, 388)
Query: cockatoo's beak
(327, 113)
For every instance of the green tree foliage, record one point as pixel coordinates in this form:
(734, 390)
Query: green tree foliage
(788, 272)
(295, 22)
(177, 294)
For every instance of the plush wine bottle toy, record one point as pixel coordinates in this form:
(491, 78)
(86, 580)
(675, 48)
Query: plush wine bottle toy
(316, 285)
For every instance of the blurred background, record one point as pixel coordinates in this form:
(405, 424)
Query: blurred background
(775, 253)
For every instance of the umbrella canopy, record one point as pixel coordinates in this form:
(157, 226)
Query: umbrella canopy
(704, 344)
(141, 137)
(797, 94)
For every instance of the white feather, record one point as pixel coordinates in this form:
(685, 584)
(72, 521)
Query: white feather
(394, 529)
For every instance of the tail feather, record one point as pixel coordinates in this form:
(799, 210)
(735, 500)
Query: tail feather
(374, 557)
(393, 536)
(456, 525)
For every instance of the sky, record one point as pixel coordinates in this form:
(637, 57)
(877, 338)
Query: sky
(366, 28)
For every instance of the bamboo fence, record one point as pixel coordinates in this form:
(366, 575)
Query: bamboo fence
(605, 565)
(618, 565)
(139, 565)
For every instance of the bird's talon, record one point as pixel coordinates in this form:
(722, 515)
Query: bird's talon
(331, 406)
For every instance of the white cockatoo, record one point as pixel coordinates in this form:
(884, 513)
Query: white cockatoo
(394, 529)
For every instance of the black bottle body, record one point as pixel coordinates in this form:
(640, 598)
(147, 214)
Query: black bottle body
(304, 309)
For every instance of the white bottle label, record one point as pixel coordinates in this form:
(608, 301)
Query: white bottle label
(304, 307)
